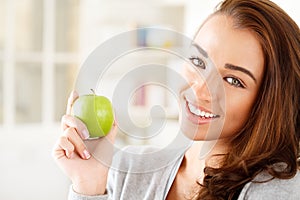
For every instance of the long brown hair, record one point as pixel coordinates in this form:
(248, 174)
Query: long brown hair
(271, 135)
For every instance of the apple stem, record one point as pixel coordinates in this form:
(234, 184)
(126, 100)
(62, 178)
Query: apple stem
(93, 91)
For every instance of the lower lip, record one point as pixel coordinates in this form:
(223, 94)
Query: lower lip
(196, 119)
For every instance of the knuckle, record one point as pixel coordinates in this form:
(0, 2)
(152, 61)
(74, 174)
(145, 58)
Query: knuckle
(62, 139)
(80, 125)
(64, 122)
(65, 144)
(69, 121)
(64, 117)
(72, 136)
(69, 132)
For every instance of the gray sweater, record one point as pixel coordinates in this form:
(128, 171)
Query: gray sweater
(131, 178)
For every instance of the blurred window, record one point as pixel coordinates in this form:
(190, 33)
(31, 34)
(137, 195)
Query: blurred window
(36, 37)
(65, 75)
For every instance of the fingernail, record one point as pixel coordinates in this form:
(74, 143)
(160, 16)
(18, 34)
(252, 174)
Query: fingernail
(85, 134)
(73, 95)
(86, 154)
(69, 154)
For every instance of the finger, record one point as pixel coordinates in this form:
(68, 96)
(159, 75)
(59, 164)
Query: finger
(63, 148)
(68, 121)
(73, 96)
(78, 143)
(67, 146)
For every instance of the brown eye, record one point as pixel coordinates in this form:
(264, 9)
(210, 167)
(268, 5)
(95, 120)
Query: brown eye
(234, 82)
(198, 62)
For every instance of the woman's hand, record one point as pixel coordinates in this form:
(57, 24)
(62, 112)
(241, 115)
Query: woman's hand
(88, 175)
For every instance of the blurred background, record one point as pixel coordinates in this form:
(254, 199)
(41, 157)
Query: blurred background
(42, 46)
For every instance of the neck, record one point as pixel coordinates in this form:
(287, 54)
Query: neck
(200, 155)
(202, 150)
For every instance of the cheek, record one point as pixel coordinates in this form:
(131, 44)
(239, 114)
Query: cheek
(238, 108)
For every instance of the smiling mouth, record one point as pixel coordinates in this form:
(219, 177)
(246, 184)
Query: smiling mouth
(201, 113)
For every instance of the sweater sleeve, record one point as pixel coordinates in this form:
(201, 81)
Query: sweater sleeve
(75, 196)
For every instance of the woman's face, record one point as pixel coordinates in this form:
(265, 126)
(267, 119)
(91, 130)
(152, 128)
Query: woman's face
(238, 57)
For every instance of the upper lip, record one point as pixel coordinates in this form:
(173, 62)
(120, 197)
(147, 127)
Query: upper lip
(201, 108)
(197, 106)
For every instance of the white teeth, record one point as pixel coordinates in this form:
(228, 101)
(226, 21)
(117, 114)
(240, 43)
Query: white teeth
(199, 112)
(202, 114)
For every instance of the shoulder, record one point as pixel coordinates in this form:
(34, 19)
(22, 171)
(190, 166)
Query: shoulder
(273, 189)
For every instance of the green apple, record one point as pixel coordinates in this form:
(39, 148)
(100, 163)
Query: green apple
(96, 112)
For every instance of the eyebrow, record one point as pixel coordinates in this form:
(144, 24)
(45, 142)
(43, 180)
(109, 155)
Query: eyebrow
(241, 69)
(202, 51)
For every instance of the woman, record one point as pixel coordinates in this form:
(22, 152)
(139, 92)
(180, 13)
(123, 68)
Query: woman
(256, 48)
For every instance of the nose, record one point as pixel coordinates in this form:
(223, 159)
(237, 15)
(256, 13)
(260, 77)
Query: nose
(200, 89)
(197, 83)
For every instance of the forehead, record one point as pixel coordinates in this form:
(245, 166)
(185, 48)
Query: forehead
(226, 44)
